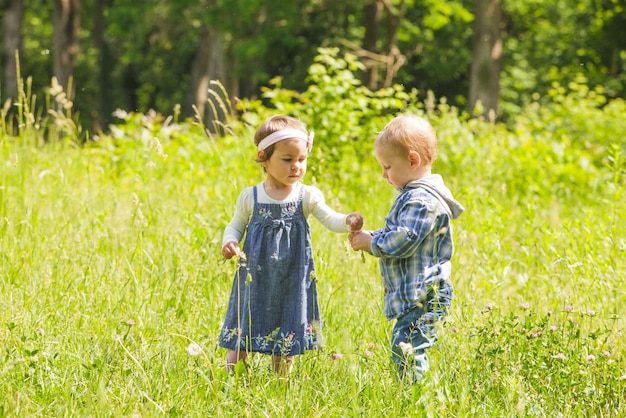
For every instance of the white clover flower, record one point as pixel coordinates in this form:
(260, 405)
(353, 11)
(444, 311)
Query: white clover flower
(406, 348)
(193, 349)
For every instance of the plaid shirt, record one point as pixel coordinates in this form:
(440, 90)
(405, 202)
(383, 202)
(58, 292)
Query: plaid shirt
(414, 247)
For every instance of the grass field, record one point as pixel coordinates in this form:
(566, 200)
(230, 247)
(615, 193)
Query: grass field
(112, 287)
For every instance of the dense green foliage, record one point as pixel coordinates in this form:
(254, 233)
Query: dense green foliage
(147, 48)
(112, 287)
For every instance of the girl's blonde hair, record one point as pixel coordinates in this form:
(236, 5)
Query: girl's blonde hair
(271, 125)
(408, 133)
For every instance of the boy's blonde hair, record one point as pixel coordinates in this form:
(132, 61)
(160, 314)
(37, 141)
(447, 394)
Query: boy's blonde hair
(271, 125)
(408, 133)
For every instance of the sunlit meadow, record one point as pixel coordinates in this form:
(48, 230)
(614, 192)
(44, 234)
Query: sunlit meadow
(112, 287)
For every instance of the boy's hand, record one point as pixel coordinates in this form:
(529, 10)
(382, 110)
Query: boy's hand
(360, 240)
(230, 249)
(354, 221)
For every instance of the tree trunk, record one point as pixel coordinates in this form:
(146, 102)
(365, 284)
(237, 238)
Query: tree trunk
(105, 97)
(394, 59)
(66, 27)
(486, 57)
(12, 44)
(208, 64)
(371, 21)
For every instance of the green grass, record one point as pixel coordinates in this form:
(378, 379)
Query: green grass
(110, 272)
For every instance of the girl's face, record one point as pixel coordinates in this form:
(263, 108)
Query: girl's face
(398, 170)
(287, 165)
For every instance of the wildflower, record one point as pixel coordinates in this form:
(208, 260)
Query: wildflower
(40, 331)
(121, 114)
(525, 305)
(591, 357)
(553, 327)
(559, 356)
(367, 353)
(455, 329)
(606, 353)
(406, 348)
(370, 345)
(355, 222)
(193, 349)
(130, 322)
(591, 312)
(56, 88)
(337, 356)
(568, 308)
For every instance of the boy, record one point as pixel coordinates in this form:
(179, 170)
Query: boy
(415, 246)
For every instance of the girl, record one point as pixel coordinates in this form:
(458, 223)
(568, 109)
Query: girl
(273, 307)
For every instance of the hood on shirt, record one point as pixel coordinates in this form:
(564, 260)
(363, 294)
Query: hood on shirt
(434, 183)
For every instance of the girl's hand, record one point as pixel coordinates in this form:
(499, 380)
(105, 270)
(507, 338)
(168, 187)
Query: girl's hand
(354, 221)
(230, 249)
(360, 240)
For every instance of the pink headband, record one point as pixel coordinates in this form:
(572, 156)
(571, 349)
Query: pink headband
(277, 136)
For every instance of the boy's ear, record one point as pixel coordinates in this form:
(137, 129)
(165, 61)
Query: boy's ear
(415, 159)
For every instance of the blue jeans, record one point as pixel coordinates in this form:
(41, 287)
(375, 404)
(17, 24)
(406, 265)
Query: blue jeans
(415, 332)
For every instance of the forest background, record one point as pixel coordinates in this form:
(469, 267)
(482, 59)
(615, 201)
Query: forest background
(143, 55)
(115, 190)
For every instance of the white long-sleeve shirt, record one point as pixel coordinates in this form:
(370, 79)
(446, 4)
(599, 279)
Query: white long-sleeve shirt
(313, 204)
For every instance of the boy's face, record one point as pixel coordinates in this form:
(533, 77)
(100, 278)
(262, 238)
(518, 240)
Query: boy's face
(398, 169)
